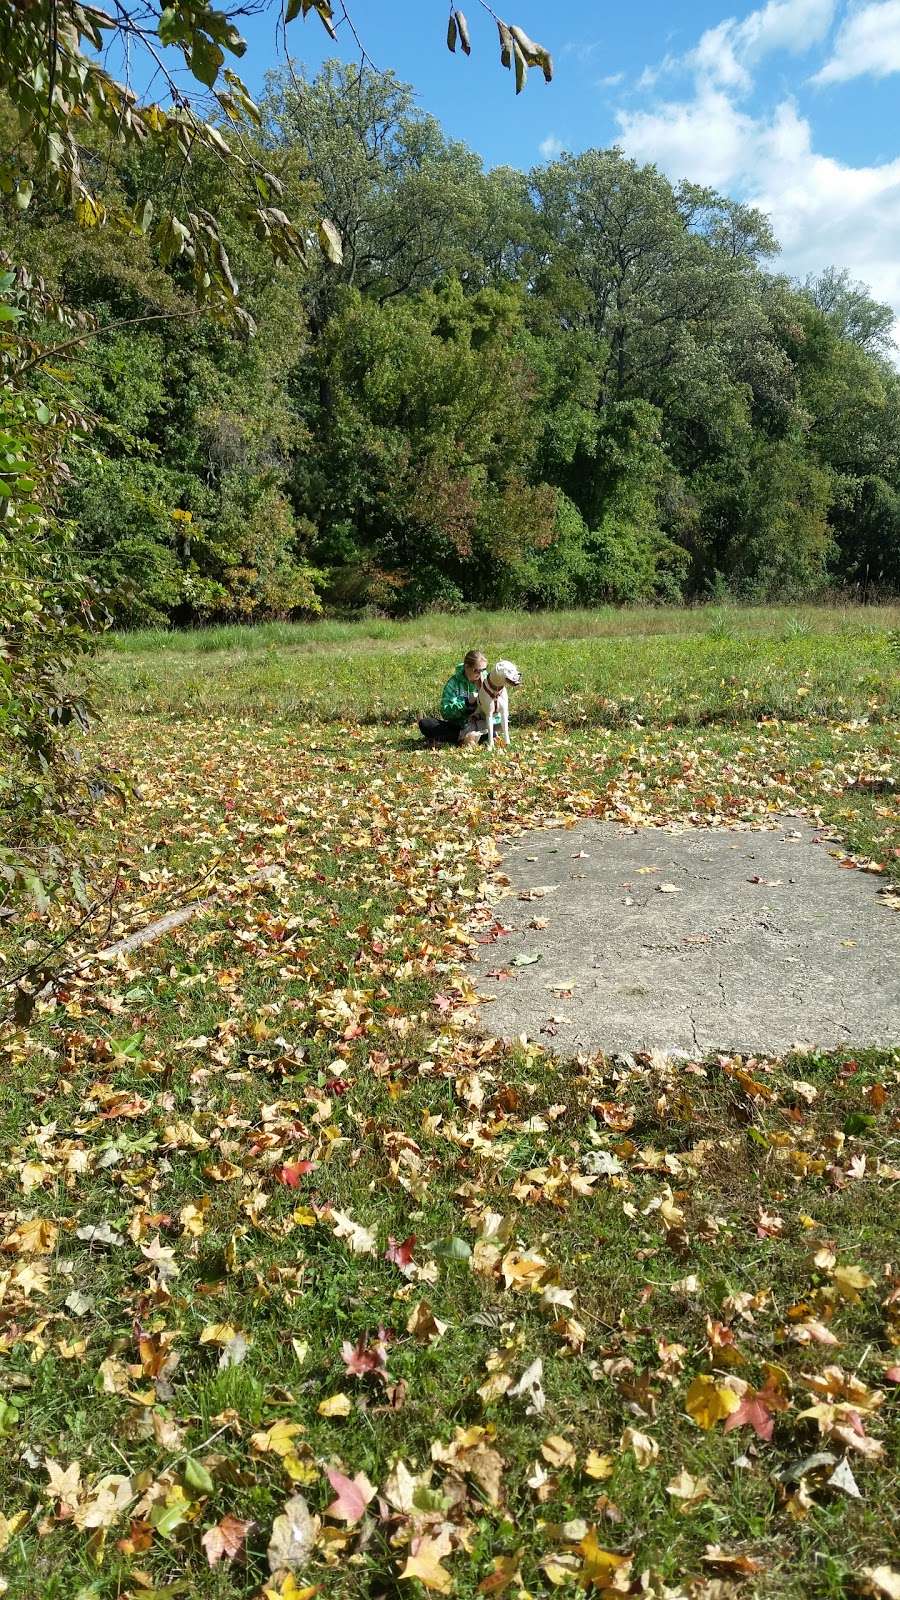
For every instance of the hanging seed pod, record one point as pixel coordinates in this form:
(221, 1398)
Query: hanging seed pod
(506, 44)
(463, 27)
(452, 32)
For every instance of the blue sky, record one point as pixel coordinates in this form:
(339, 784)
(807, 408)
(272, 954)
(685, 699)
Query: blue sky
(792, 104)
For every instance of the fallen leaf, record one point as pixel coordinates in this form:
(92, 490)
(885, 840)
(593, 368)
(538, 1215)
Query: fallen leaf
(424, 1563)
(709, 1402)
(692, 1492)
(353, 1495)
(225, 1541)
(293, 1536)
(337, 1405)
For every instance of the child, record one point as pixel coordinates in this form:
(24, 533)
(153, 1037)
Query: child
(459, 721)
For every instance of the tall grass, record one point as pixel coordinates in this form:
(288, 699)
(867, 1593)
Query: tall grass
(604, 668)
(497, 631)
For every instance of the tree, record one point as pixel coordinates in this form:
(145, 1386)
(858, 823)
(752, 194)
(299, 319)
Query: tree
(68, 105)
(48, 611)
(852, 311)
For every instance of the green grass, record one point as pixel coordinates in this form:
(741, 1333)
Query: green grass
(328, 1017)
(684, 668)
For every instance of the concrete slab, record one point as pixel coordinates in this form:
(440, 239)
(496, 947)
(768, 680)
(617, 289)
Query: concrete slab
(695, 940)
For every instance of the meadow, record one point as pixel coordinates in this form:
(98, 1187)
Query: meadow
(309, 1289)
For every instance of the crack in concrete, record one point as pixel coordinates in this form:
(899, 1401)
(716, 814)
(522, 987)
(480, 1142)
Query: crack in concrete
(697, 1045)
(722, 989)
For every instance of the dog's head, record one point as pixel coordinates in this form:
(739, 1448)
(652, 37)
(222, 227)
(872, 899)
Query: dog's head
(506, 672)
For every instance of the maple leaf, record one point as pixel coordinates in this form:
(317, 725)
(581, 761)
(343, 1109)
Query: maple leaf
(65, 1484)
(689, 1490)
(294, 1171)
(504, 1572)
(708, 1402)
(755, 1411)
(424, 1563)
(353, 1496)
(401, 1255)
(362, 1358)
(601, 1568)
(361, 1240)
(225, 1541)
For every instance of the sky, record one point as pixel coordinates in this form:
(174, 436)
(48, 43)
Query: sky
(792, 105)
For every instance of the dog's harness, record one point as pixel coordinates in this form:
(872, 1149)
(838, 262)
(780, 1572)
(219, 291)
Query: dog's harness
(493, 694)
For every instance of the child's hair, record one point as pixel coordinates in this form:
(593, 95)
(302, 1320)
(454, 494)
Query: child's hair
(475, 658)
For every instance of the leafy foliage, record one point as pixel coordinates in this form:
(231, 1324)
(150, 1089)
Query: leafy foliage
(48, 612)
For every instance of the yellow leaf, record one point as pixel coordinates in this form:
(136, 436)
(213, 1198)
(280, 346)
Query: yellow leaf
(690, 1491)
(598, 1467)
(337, 1405)
(709, 1402)
(277, 1440)
(558, 1451)
(10, 1526)
(600, 1566)
(36, 1237)
(849, 1280)
(218, 1333)
(425, 1564)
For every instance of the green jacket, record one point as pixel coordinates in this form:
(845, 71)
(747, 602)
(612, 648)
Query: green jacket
(458, 698)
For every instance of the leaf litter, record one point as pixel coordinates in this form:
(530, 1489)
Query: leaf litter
(228, 1346)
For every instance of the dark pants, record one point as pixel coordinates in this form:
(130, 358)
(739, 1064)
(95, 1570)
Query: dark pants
(435, 730)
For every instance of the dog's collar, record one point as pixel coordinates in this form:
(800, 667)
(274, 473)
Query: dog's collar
(489, 687)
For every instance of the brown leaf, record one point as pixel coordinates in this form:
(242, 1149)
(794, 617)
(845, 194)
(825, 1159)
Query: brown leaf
(226, 1540)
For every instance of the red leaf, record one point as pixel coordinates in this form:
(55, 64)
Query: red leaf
(362, 1358)
(755, 1411)
(292, 1174)
(401, 1254)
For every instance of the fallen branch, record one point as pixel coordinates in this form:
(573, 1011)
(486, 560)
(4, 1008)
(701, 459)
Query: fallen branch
(174, 919)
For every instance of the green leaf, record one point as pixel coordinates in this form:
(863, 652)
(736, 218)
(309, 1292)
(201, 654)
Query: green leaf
(858, 1122)
(42, 412)
(9, 1416)
(173, 28)
(205, 59)
(168, 1519)
(454, 1249)
(24, 191)
(197, 1477)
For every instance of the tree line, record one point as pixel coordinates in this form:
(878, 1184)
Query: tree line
(577, 385)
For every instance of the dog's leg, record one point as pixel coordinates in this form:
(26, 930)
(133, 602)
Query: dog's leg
(504, 712)
(490, 725)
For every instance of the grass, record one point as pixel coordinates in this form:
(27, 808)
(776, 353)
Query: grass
(659, 667)
(327, 1018)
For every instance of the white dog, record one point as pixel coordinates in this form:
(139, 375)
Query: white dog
(493, 697)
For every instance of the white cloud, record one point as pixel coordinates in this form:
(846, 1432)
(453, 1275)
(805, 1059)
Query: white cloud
(824, 211)
(868, 42)
(725, 53)
(551, 147)
(611, 80)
